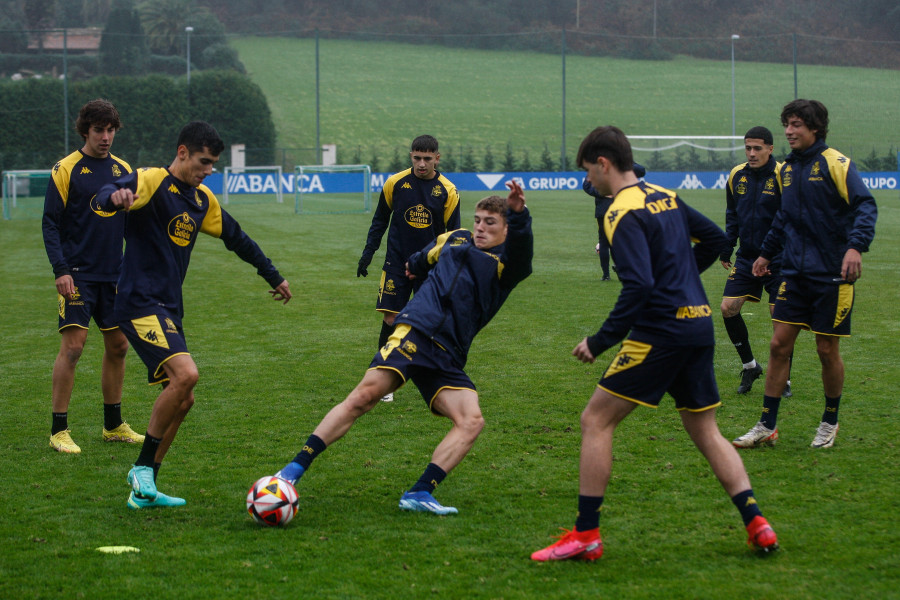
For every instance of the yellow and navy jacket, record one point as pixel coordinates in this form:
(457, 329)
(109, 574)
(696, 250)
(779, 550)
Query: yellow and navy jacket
(80, 237)
(752, 198)
(825, 209)
(417, 211)
(162, 226)
(662, 302)
(466, 286)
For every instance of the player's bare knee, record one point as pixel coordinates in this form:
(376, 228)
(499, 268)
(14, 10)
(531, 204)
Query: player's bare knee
(117, 347)
(730, 307)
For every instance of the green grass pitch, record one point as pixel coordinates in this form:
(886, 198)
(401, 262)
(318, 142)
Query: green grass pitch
(268, 373)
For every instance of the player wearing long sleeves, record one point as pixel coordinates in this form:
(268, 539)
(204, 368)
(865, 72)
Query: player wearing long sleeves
(752, 198)
(601, 205)
(467, 277)
(167, 210)
(415, 207)
(84, 245)
(663, 310)
(826, 221)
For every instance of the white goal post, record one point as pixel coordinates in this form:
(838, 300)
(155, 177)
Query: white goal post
(29, 185)
(332, 189)
(258, 180)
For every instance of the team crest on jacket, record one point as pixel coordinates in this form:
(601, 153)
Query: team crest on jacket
(116, 171)
(436, 191)
(418, 216)
(181, 229)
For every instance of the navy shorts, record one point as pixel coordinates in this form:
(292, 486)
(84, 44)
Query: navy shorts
(394, 291)
(823, 308)
(92, 299)
(642, 373)
(156, 338)
(741, 283)
(416, 357)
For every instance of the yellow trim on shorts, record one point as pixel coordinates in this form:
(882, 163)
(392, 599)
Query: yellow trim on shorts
(699, 410)
(72, 325)
(389, 368)
(612, 393)
(441, 389)
(746, 297)
(159, 372)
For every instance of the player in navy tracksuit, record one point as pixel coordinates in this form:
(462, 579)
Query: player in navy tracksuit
(601, 204)
(415, 206)
(827, 220)
(663, 311)
(84, 245)
(753, 196)
(467, 277)
(168, 208)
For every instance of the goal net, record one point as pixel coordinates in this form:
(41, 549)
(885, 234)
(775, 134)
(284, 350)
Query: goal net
(23, 193)
(253, 185)
(688, 152)
(331, 189)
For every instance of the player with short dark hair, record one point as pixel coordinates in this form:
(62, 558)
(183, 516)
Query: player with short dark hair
(467, 277)
(167, 209)
(415, 207)
(752, 197)
(663, 310)
(601, 204)
(826, 221)
(84, 245)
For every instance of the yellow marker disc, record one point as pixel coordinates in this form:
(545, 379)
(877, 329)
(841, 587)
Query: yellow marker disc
(117, 549)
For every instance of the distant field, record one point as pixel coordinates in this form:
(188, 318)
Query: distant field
(379, 96)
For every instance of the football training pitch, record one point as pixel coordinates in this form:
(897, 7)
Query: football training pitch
(268, 373)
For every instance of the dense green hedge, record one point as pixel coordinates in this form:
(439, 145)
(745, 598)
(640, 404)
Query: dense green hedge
(153, 109)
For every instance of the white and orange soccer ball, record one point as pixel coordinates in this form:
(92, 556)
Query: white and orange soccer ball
(272, 501)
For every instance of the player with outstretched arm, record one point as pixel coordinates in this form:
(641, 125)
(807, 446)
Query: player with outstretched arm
(467, 277)
(168, 208)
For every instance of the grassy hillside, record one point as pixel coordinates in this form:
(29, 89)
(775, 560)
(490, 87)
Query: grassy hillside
(378, 96)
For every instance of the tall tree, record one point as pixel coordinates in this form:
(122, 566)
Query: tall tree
(164, 22)
(123, 45)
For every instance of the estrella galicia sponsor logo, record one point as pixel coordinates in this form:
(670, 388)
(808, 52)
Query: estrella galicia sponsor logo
(418, 216)
(95, 206)
(181, 229)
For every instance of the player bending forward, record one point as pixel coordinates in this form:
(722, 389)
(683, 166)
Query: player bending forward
(468, 276)
(663, 310)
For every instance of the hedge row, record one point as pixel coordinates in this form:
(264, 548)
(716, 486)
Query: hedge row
(153, 109)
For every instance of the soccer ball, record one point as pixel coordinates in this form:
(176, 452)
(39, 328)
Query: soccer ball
(272, 501)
